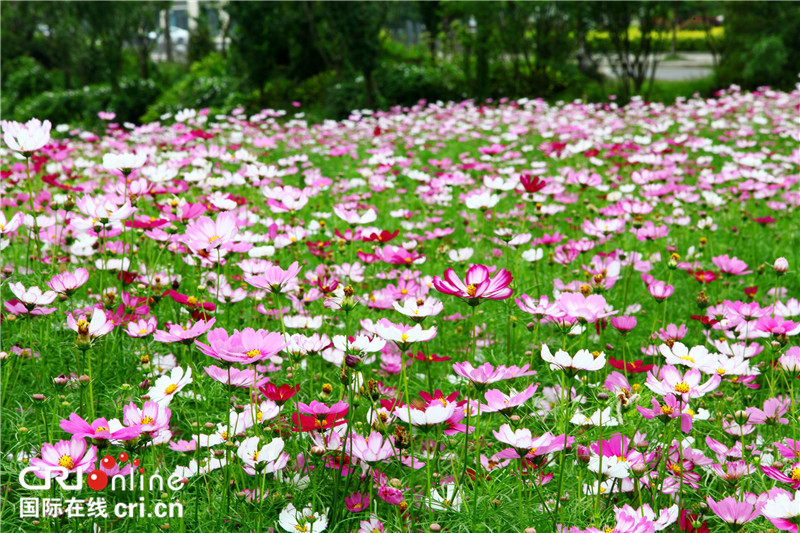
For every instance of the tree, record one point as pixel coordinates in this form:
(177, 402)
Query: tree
(634, 61)
(761, 44)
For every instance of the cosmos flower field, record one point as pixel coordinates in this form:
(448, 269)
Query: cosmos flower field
(511, 316)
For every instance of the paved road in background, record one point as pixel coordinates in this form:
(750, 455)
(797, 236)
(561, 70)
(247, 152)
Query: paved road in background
(692, 65)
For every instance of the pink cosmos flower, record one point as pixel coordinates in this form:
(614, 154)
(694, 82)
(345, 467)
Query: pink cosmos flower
(151, 418)
(70, 454)
(776, 326)
(68, 282)
(373, 448)
(183, 334)
(790, 361)
(660, 290)
(672, 408)
(101, 209)
(782, 508)
(141, 327)
(686, 386)
(351, 216)
(733, 512)
(26, 138)
(477, 284)
(732, 266)
(486, 373)
(207, 234)
(585, 308)
(623, 324)
(12, 224)
(522, 442)
(356, 503)
(33, 296)
(373, 525)
(497, 401)
(98, 326)
(97, 430)
(274, 278)
(246, 346)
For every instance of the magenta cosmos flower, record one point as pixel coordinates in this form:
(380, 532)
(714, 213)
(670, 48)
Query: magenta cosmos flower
(274, 278)
(477, 284)
(70, 454)
(97, 430)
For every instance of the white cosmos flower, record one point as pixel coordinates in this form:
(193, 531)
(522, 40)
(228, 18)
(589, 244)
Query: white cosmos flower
(302, 521)
(125, 161)
(168, 385)
(460, 255)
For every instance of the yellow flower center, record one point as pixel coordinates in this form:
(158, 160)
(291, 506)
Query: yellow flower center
(255, 456)
(404, 337)
(142, 331)
(302, 528)
(666, 409)
(682, 387)
(191, 300)
(82, 323)
(676, 469)
(595, 354)
(259, 416)
(687, 358)
(171, 388)
(471, 289)
(720, 371)
(403, 291)
(795, 475)
(147, 420)
(212, 239)
(253, 353)
(67, 462)
(690, 412)
(99, 429)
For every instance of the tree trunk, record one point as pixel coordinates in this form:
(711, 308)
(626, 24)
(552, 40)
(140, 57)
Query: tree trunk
(167, 35)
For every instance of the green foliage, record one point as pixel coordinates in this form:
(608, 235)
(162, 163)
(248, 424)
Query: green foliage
(129, 102)
(762, 44)
(207, 84)
(200, 41)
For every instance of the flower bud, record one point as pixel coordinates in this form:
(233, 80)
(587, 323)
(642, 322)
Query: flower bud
(781, 266)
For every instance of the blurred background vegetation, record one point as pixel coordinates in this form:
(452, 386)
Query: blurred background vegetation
(67, 61)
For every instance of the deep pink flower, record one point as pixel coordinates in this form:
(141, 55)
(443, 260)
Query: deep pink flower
(477, 284)
(357, 502)
(97, 430)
